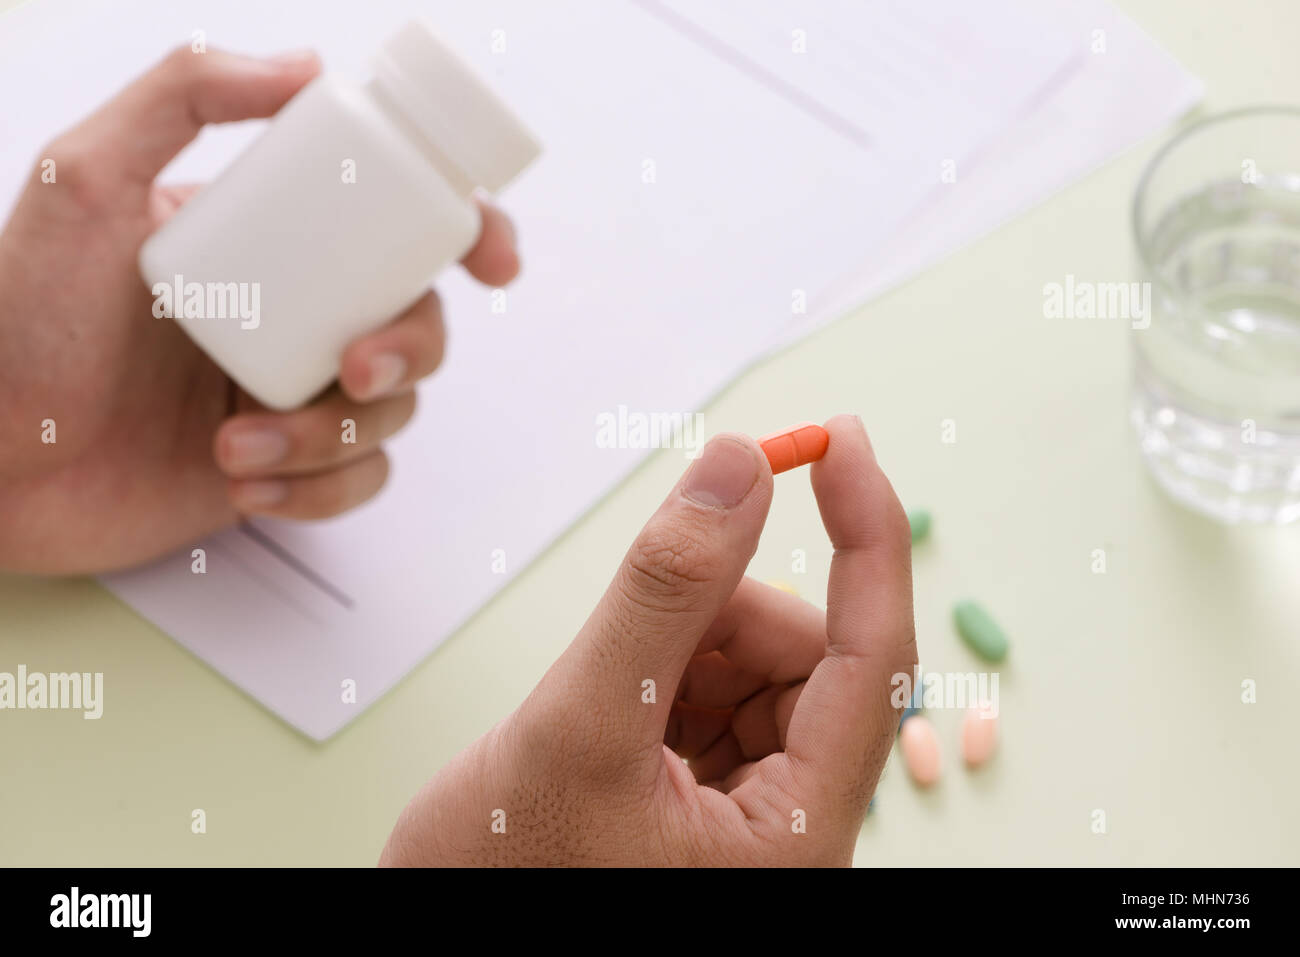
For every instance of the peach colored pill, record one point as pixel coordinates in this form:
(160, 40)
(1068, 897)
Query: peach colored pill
(795, 446)
(920, 747)
(979, 735)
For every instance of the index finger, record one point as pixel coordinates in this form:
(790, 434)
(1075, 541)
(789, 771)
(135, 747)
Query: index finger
(494, 260)
(844, 723)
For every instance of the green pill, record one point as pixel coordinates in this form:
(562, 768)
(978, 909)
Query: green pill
(919, 519)
(980, 631)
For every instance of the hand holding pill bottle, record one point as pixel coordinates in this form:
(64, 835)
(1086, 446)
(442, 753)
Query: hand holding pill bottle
(336, 218)
(123, 440)
(699, 716)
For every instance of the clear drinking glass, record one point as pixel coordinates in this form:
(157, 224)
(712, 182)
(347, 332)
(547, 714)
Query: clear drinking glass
(1216, 396)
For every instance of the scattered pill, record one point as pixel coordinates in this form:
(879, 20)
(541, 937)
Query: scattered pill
(920, 746)
(783, 586)
(919, 519)
(979, 735)
(980, 631)
(795, 446)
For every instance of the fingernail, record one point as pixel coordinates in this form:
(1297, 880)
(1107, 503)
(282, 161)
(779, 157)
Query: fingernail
(722, 475)
(386, 371)
(264, 493)
(249, 449)
(293, 57)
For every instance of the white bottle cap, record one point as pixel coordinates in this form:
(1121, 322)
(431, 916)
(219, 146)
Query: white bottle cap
(453, 107)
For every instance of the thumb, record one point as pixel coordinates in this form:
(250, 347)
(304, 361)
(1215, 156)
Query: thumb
(116, 152)
(674, 580)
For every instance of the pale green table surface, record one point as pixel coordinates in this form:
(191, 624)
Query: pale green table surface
(1122, 691)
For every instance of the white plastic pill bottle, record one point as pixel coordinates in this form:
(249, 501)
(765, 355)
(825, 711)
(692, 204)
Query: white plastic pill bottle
(336, 218)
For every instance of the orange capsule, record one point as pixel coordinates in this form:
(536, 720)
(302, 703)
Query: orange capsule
(795, 446)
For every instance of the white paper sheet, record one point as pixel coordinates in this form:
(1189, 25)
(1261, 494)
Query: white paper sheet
(651, 295)
(1125, 89)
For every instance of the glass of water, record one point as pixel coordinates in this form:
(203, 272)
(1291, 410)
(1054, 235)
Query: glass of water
(1216, 396)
